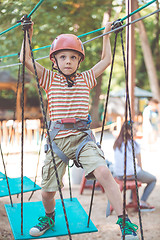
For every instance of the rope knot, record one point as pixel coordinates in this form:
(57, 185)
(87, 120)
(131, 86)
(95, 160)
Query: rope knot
(26, 22)
(117, 24)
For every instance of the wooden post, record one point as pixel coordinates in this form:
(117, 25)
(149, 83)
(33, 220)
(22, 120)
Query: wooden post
(131, 64)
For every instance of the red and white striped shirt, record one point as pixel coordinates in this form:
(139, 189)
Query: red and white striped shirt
(64, 101)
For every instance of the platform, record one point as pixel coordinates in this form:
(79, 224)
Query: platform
(2, 175)
(77, 218)
(15, 186)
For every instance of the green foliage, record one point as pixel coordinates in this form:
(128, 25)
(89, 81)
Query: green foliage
(66, 16)
(51, 19)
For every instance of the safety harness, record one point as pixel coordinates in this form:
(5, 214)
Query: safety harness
(69, 124)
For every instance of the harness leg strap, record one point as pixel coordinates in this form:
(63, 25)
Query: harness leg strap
(60, 154)
(80, 147)
(89, 137)
(81, 125)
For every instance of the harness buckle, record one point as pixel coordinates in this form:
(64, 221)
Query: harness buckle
(68, 120)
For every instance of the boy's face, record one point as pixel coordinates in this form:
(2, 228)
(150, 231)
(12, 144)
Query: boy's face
(68, 61)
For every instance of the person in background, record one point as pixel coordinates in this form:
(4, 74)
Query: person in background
(142, 175)
(151, 123)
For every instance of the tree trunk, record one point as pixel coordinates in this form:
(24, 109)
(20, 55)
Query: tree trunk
(156, 42)
(148, 58)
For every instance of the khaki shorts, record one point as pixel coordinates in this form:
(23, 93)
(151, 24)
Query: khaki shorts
(91, 157)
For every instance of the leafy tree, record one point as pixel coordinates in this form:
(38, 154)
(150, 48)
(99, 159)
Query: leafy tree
(50, 20)
(79, 16)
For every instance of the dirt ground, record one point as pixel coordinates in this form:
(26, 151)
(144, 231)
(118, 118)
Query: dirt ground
(107, 229)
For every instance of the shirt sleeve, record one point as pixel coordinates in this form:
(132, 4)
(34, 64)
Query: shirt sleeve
(46, 79)
(89, 78)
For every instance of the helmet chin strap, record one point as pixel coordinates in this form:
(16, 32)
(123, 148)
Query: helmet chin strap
(70, 77)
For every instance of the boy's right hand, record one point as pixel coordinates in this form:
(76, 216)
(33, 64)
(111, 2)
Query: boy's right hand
(108, 27)
(26, 21)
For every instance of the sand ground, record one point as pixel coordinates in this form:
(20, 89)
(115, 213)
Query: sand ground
(107, 229)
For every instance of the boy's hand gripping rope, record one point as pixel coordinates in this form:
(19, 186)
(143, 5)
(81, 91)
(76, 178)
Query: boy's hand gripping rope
(26, 22)
(26, 29)
(116, 24)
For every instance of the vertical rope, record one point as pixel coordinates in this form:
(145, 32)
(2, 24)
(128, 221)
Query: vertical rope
(69, 179)
(128, 107)
(35, 179)
(50, 143)
(108, 90)
(104, 117)
(91, 203)
(6, 176)
(22, 133)
(134, 161)
(125, 129)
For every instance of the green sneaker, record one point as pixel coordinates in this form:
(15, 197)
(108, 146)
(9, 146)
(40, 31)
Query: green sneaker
(44, 224)
(129, 229)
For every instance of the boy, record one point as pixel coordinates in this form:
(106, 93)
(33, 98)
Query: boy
(68, 98)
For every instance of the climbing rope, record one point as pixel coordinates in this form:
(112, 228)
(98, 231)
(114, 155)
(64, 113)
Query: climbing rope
(125, 25)
(126, 64)
(129, 15)
(103, 123)
(126, 108)
(6, 175)
(35, 180)
(133, 151)
(45, 120)
(100, 29)
(69, 179)
(94, 38)
(22, 133)
(29, 15)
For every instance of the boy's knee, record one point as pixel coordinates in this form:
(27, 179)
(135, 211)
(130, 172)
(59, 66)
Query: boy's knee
(48, 195)
(102, 171)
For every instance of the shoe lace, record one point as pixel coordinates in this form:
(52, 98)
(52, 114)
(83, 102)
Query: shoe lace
(128, 227)
(45, 220)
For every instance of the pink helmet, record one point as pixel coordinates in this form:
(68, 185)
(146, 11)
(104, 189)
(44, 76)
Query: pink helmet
(67, 42)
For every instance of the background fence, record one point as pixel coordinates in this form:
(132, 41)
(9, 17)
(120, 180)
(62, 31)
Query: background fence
(11, 134)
